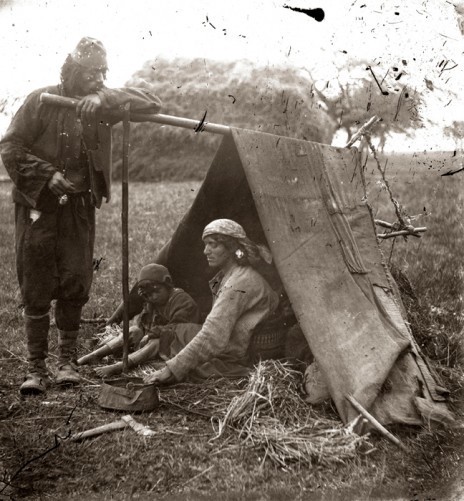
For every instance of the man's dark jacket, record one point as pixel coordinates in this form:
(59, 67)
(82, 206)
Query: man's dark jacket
(42, 138)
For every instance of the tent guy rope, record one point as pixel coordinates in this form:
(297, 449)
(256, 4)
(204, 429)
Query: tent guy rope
(402, 227)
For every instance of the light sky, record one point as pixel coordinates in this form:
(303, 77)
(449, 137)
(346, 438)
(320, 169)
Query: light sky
(37, 35)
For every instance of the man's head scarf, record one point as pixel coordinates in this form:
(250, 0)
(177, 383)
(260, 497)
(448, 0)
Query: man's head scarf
(90, 54)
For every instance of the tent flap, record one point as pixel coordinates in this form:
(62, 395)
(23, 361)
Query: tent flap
(306, 194)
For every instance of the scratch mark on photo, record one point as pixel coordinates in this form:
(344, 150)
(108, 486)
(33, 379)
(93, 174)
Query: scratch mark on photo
(201, 125)
(384, 92)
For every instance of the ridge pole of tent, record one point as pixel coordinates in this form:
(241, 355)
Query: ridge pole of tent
(365, 128)
(125, 235)
(185, 123)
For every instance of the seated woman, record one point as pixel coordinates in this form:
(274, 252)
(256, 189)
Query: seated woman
(241, 300)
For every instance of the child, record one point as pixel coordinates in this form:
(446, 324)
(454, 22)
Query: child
(164, 307)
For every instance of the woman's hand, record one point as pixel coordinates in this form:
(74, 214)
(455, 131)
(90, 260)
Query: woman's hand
(154, 332)
(163, 376)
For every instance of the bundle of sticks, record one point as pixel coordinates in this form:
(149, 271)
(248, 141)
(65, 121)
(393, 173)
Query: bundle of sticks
(397, 230)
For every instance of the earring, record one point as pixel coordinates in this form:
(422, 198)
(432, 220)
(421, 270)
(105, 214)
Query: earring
(239, 254)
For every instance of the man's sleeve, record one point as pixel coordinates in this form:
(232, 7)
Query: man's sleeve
(142, 100)
(28, 172)
(214, 336)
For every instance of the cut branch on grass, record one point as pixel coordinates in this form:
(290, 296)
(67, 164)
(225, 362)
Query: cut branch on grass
(199, 474)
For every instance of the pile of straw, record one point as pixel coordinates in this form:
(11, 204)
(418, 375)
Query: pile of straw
(269, 414)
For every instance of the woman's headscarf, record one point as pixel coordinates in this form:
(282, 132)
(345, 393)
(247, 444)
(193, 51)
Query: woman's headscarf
(224, 227)
(232, 229)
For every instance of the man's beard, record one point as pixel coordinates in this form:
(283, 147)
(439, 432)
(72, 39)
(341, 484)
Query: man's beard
(76, 86)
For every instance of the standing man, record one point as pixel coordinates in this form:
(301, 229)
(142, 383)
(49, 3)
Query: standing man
(59, 160)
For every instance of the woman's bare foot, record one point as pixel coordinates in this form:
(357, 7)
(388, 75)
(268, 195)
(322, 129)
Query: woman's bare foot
(109, 370)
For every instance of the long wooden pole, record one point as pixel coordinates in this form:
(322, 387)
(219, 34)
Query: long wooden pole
(125, 235)
(186, 123)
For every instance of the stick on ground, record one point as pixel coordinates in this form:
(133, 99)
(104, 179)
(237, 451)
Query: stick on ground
(375, 423)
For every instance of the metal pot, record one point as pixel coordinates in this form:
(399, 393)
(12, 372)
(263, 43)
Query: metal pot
(128, 394)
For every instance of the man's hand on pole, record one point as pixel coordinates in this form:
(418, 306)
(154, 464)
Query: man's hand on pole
(88, 106)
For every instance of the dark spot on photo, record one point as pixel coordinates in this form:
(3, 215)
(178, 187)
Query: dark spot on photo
(317, 14)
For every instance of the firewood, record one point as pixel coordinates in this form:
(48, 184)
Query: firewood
(413, 233)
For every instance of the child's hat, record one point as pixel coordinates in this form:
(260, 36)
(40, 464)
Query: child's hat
(155, 273)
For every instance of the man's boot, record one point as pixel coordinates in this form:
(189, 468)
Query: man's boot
(67, 366)
(37, 378)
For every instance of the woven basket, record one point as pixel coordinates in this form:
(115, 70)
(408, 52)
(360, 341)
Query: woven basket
(267, 343)
(128, 394)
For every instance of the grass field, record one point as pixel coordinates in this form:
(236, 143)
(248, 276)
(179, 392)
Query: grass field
(183, 462)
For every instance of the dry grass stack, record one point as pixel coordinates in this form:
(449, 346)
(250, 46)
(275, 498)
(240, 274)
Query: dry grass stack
(271, 415)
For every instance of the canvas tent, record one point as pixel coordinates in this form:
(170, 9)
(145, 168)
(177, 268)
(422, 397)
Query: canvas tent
(306, 202)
